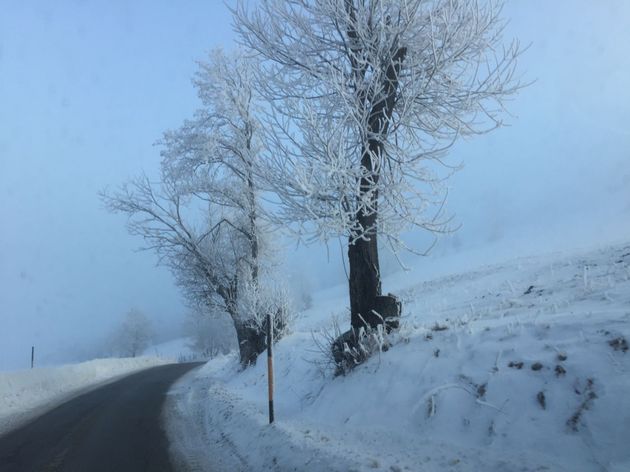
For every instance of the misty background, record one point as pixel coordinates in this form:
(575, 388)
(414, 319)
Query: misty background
(87, 87)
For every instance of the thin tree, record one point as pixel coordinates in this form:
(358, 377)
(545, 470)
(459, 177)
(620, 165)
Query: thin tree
(366, 97)
(202, 218)
(133, 336)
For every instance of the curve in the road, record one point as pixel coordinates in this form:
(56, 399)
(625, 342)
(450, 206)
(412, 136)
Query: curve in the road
(115, 428)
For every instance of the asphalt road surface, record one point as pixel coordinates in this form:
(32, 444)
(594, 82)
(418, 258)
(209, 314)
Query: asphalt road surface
(115, 428)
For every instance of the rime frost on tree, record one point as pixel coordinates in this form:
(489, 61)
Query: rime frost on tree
(365, 100)
(133, 335)
(203, 217)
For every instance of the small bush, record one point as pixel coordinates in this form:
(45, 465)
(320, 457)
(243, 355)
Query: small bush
(354, 347)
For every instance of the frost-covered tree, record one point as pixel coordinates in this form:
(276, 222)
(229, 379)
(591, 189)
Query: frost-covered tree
(132, 338)
(203, 217)
(366, 97)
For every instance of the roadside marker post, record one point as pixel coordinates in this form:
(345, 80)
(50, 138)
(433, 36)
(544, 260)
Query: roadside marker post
(32, 356)
(270, 366)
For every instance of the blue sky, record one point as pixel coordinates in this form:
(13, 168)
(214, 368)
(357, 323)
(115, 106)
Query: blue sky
(87, 87)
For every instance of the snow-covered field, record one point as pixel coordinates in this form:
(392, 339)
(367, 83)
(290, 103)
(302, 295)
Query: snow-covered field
(28, 393)
(521, 366)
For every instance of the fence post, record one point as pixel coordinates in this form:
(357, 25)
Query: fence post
(270, 365)
(32, 356)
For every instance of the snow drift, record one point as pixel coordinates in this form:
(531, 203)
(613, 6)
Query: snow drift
(517, 366)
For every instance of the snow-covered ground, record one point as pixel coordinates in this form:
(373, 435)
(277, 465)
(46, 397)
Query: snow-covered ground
(522, 365)
(176, 350)
(28, 393)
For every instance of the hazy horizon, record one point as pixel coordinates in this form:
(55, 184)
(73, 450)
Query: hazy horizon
(87, 88)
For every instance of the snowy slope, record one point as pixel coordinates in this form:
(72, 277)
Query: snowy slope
(517, 366)
(25, 394)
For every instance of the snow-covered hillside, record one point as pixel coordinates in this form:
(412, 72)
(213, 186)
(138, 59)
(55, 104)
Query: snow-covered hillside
(28, 393)
(517, 366)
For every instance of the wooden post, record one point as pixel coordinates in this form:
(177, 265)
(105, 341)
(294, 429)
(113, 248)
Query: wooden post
(32, 356)
(270, 365)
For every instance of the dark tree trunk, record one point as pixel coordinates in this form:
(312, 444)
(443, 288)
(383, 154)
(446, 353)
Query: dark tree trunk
(251, 342)
(365, 277)
(252, 338)
(364, 281)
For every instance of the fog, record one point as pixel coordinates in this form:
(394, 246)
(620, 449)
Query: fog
(86, 88)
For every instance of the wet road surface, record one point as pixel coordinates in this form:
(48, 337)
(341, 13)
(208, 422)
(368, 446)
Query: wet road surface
(115, 428)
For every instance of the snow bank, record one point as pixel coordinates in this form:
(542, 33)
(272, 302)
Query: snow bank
(25, 394)
(517, 366)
